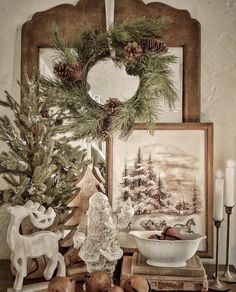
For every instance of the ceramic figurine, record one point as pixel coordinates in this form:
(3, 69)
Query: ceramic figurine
(33, 245)
(98, 282)
(136, 284)
(100, 249)
(61, 284)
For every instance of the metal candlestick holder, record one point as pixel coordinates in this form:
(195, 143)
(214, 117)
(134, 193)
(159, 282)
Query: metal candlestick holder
(216, 285)
(228, 276)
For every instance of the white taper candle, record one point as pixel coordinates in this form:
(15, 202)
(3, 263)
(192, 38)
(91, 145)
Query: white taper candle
(229, 182)
(219, 197)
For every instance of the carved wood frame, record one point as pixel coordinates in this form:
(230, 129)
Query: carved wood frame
(183, 32)
(208, 135)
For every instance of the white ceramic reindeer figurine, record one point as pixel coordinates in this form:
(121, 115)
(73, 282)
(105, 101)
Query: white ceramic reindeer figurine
(34, 245)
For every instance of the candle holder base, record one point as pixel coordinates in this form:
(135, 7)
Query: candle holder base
(227, 276)
(215, 285)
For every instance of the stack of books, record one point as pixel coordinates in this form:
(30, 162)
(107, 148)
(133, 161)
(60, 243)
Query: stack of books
(192, 277)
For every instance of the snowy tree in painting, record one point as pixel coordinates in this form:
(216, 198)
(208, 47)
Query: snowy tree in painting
(139, 179)
(150, 224)
(196, 203)
(125, 184)
(152, 179)
(148, 192)
(141, 185)
(182, 205)
(162, 193)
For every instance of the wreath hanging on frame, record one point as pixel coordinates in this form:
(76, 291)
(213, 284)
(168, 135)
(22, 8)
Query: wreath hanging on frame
(133, 43)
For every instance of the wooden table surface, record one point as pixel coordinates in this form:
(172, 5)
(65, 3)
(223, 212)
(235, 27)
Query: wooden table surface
(6, 278)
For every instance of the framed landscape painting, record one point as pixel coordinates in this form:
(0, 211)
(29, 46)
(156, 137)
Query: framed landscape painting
(168, 178)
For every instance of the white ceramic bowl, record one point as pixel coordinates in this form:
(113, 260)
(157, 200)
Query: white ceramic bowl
(167, 253)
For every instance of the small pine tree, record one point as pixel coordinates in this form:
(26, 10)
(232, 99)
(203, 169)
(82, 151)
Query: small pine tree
(161, 194)
(152, 178)
(139, 178)
(196, 203)
(125, 184)
(37, 165)
(182, 205)
(151, 173)
(179, 206)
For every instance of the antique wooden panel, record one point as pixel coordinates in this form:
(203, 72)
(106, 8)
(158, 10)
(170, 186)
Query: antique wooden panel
(182, 32)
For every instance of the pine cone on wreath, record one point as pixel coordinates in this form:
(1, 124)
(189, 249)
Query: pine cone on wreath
(61, 70)
(106, 125)
(110, 108)
(71, 72)
(111, 105)
(105, 134)
(75, 73)
(154, 45)
(132, 51)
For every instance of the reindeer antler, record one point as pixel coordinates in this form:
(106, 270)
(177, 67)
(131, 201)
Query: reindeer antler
(39, 216)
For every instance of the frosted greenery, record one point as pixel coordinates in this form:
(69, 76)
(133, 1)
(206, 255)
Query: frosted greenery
(38, 164)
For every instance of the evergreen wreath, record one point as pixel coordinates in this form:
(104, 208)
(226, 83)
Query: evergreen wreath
(138, 47)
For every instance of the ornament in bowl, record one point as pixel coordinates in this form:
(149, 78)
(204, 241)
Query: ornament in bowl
(166, 252)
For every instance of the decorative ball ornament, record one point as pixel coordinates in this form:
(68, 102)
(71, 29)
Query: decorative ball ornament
(133, 44)
(61, 284)
(98, 282)
(136, 284)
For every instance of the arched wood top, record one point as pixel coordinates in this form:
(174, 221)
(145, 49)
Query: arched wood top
(182, 32)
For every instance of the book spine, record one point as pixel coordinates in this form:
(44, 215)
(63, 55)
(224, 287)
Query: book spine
(178, 285)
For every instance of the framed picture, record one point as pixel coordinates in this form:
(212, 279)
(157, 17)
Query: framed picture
(168, 178)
